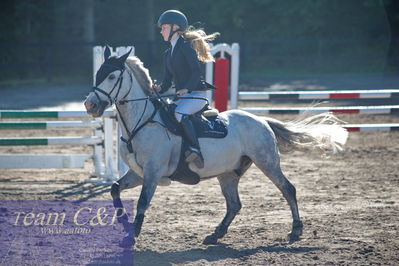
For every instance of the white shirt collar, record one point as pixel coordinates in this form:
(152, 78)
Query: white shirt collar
(173, 43)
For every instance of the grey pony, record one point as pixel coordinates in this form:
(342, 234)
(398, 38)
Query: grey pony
(251, 140)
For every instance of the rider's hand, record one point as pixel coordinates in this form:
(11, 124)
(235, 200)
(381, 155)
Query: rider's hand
(156, 88)
(182, 92)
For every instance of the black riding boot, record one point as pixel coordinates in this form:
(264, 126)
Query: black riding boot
(193, 153)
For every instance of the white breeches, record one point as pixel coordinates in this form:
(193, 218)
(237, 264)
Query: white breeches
(189, 106)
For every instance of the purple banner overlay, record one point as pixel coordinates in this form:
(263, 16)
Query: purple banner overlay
(40, 232)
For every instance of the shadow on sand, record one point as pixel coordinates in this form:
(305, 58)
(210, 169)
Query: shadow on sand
(83, 190)
(212, 254)
(69, 191)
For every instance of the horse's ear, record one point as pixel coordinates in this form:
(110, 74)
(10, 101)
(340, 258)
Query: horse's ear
(107, 52)
(123, 58)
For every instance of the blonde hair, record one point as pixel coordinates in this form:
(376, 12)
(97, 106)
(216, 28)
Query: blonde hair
(199, 41)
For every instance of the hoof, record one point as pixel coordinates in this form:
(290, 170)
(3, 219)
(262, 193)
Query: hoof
(127, 242)
(136, 233)
(138, 222)
(296, 232)
(210, 240)
(128, 227)
(293, 237)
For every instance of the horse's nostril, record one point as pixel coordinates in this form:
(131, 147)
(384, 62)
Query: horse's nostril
(89, 105)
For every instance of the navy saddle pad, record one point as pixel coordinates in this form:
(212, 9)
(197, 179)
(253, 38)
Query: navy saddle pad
(206, 127)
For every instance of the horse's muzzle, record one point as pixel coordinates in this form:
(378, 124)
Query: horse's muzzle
(94, 108)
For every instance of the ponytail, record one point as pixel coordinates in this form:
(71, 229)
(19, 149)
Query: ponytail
(199, 40)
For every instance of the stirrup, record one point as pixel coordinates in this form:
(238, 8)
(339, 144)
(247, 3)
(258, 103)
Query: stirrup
(194, 155)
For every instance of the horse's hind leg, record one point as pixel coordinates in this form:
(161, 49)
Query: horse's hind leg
(229, 184)
(271, 168)
(129, 180)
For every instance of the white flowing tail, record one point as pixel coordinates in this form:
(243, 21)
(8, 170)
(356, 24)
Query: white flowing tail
(319, 132)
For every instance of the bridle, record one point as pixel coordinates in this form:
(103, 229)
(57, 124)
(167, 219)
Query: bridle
(118, 84)
(118, 81)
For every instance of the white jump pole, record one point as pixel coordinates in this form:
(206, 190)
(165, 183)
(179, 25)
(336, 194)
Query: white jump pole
(20, 161)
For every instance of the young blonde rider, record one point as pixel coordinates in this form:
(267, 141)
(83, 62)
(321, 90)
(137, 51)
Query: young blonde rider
(189, 47)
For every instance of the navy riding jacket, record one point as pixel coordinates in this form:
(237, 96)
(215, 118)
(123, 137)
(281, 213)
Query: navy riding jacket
(183, 68)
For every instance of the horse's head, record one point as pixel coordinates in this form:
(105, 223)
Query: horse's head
(109, 84)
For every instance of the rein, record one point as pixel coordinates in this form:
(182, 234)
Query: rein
(136, 129)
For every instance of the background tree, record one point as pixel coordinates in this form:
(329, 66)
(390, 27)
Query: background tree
(45, 39)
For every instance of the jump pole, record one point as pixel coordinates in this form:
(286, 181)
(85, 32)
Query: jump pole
(15, 161)
(48, 114)
(50, 141)
(369, 127)
(220, 75)
(383, 109)
(321, 95)
(49, 124)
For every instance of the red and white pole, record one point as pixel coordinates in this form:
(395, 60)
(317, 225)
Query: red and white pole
(223, 74)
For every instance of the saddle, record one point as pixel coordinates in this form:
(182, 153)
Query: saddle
(207, 123)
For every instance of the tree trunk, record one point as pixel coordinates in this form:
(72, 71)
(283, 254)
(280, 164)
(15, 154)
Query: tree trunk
(88, 22)
(392, 11)
(151, 22)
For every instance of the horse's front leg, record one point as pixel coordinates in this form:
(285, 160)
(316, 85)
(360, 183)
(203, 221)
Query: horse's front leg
(151, 179)
(129, 180)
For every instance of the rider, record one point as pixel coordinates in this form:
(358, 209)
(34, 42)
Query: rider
(189, 47)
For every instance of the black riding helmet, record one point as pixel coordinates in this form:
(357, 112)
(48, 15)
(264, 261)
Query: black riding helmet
(173, 17)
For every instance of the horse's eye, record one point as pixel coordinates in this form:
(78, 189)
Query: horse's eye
(111, 77)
